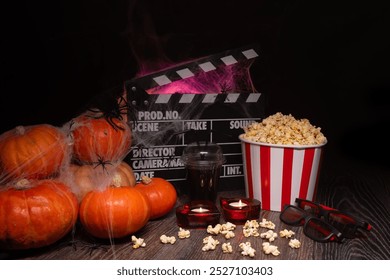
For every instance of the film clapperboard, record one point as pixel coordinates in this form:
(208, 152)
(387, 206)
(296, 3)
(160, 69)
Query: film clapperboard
(163, 124)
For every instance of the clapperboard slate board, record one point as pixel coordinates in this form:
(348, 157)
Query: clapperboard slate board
(163, 124)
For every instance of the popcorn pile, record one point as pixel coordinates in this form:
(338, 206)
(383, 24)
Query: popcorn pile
(250, 228)
(284, 130)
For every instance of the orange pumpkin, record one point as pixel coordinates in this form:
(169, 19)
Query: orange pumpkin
(32, 152)
(89, 177)
(35, 214)
(114, 212)
(96, 140)
(161, 195)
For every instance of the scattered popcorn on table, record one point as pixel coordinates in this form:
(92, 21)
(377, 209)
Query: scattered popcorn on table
(228, 234)
(294, 243)
(137, 242)
(267, 224)
(247, 249)
(214, 230)
(251, 228)
(270, 249)
(225, 229)
(284, 130)
(183, 233)
(167, 239)
(286, 233)
(270, 235)
(210, 242)
(227, 248)
(228, 227)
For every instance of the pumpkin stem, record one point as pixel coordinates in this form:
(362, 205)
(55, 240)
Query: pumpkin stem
(116, 180)
(146, 180)
(22, 184)
(20, 130)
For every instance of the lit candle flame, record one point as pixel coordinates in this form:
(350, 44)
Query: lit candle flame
(238, 204)
(200, 210)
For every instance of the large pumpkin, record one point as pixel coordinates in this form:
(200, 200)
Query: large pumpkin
(161, 195)
(114, 212)
(86, 178)
(33, 152)
(97, 140)
(36, 214)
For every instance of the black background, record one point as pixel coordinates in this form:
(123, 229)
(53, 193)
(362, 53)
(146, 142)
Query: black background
(323, 60)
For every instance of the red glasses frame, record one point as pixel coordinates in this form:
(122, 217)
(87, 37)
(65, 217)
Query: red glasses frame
(347, 224)
(313, 227)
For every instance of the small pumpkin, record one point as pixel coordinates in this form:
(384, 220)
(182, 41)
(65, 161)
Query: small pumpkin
(32, 152)
(114, 212)
(35, 214)
(161, 195)
(95, 140)
(86, 178)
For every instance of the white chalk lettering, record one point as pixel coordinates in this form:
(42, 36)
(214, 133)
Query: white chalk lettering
(139, 175)
(197, 125)
(171, 115)
(153, 152)
(239, 124)
(156, 163)
(146, 127)
(233, 170)
(158, 115)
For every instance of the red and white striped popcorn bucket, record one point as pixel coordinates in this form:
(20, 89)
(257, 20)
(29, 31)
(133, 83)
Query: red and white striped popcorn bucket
(278, 174)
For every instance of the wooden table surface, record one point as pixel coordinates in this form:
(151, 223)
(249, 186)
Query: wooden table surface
(358, 187)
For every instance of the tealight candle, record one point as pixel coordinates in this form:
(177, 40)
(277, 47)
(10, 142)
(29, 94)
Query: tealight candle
(239, 210)
(197, 214)
(200, 210)
(238, 204)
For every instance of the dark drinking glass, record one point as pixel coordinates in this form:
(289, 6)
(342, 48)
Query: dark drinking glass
(203, 162)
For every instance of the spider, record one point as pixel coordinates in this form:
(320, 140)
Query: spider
(110, 105)
(225, 88)
(101, 162)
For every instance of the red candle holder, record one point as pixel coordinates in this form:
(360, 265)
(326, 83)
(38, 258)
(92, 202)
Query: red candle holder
(197, 214)
(238, 210)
